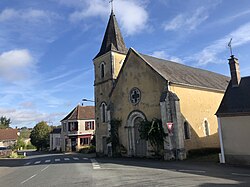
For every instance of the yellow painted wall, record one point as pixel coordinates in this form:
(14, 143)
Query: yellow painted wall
(197, 105)
(113, 62)
(136, 74)
(236, 135)
(118, 59)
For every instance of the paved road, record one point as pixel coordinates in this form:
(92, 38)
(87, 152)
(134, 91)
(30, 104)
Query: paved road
(79, 170)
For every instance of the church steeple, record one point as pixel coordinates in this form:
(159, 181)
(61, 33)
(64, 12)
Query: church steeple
(113, 40)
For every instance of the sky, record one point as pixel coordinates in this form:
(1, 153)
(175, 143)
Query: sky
(47, 47)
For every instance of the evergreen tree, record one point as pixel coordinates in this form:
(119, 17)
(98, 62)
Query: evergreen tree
(4, 122)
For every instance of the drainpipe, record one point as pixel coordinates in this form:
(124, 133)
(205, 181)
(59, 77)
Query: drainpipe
(221, 143)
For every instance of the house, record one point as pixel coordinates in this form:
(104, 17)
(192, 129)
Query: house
(8, 137)
(131, 86)
(78, 128)
(234, 118)
(55, 140)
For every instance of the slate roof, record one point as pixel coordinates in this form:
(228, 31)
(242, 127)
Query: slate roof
(236, 100)
(8, 134)
(113, 40)
(182, 74)
(56, 131)
(81, 112)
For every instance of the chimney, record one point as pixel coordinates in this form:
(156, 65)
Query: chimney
(235, 71)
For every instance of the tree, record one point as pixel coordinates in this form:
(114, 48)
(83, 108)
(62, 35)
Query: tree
(24, 133)
(39, 136)
(19, 144)
(153, 132)
(4, 122)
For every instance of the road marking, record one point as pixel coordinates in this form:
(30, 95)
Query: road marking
(28, 178)
(28, 163)
(85, 158)
(57, 160)
(37, 162)
(66, 158)
(241, 174)
(46, 161)
(36, 173)
(75, 158)
(194, 171)
(95, 164)
(45, 168)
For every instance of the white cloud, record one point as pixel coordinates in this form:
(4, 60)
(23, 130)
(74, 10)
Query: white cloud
(163, 55)
(16, 64)
(26, 14)
(209, 54)
(131, 14)
(29, 118)
(187, 22)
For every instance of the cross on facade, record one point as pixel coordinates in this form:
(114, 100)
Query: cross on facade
(135, 96)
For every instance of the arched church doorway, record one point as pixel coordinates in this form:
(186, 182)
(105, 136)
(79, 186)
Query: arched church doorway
(137, 146)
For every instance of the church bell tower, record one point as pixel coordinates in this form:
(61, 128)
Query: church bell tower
(107, 64)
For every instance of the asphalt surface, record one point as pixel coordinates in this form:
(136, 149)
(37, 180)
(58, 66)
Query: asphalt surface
(69, 170)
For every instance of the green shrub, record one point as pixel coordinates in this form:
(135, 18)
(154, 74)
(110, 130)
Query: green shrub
(15, 155)
(30, 146)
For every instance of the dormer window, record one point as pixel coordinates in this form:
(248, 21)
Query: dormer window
(102, 73)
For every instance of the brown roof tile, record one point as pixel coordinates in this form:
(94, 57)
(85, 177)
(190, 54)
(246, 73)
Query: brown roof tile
(8, 134)
(81, 112)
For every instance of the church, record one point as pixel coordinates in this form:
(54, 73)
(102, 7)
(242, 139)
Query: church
(131, 86)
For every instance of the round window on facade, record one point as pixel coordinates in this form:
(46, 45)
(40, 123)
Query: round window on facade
(135, 96)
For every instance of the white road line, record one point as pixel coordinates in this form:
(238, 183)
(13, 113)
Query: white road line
(28, 178)
(95, 164)
(66, 158)
(45, 168)
(28, 163)
(47, 161)
(57, 160)
(241, 174)
(37, 162)
(75, 158)
(194, 171)
(85, 158)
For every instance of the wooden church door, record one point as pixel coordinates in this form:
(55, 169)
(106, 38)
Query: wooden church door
(140, 144)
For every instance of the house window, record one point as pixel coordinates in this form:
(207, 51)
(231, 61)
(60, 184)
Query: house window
(89, 125)
(73, 126)
(84, 141)
(103, 112)
(206, 128)
(186, 130)
(57, 141)
(102, 70)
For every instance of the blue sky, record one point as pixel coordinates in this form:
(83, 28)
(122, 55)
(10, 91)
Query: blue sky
(47, 47)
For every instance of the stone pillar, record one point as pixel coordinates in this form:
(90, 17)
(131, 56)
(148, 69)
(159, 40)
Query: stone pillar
(178, 131)
(170, 112)
(168, 153)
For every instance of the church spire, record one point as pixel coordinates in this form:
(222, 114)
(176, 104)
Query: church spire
(113, 40)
